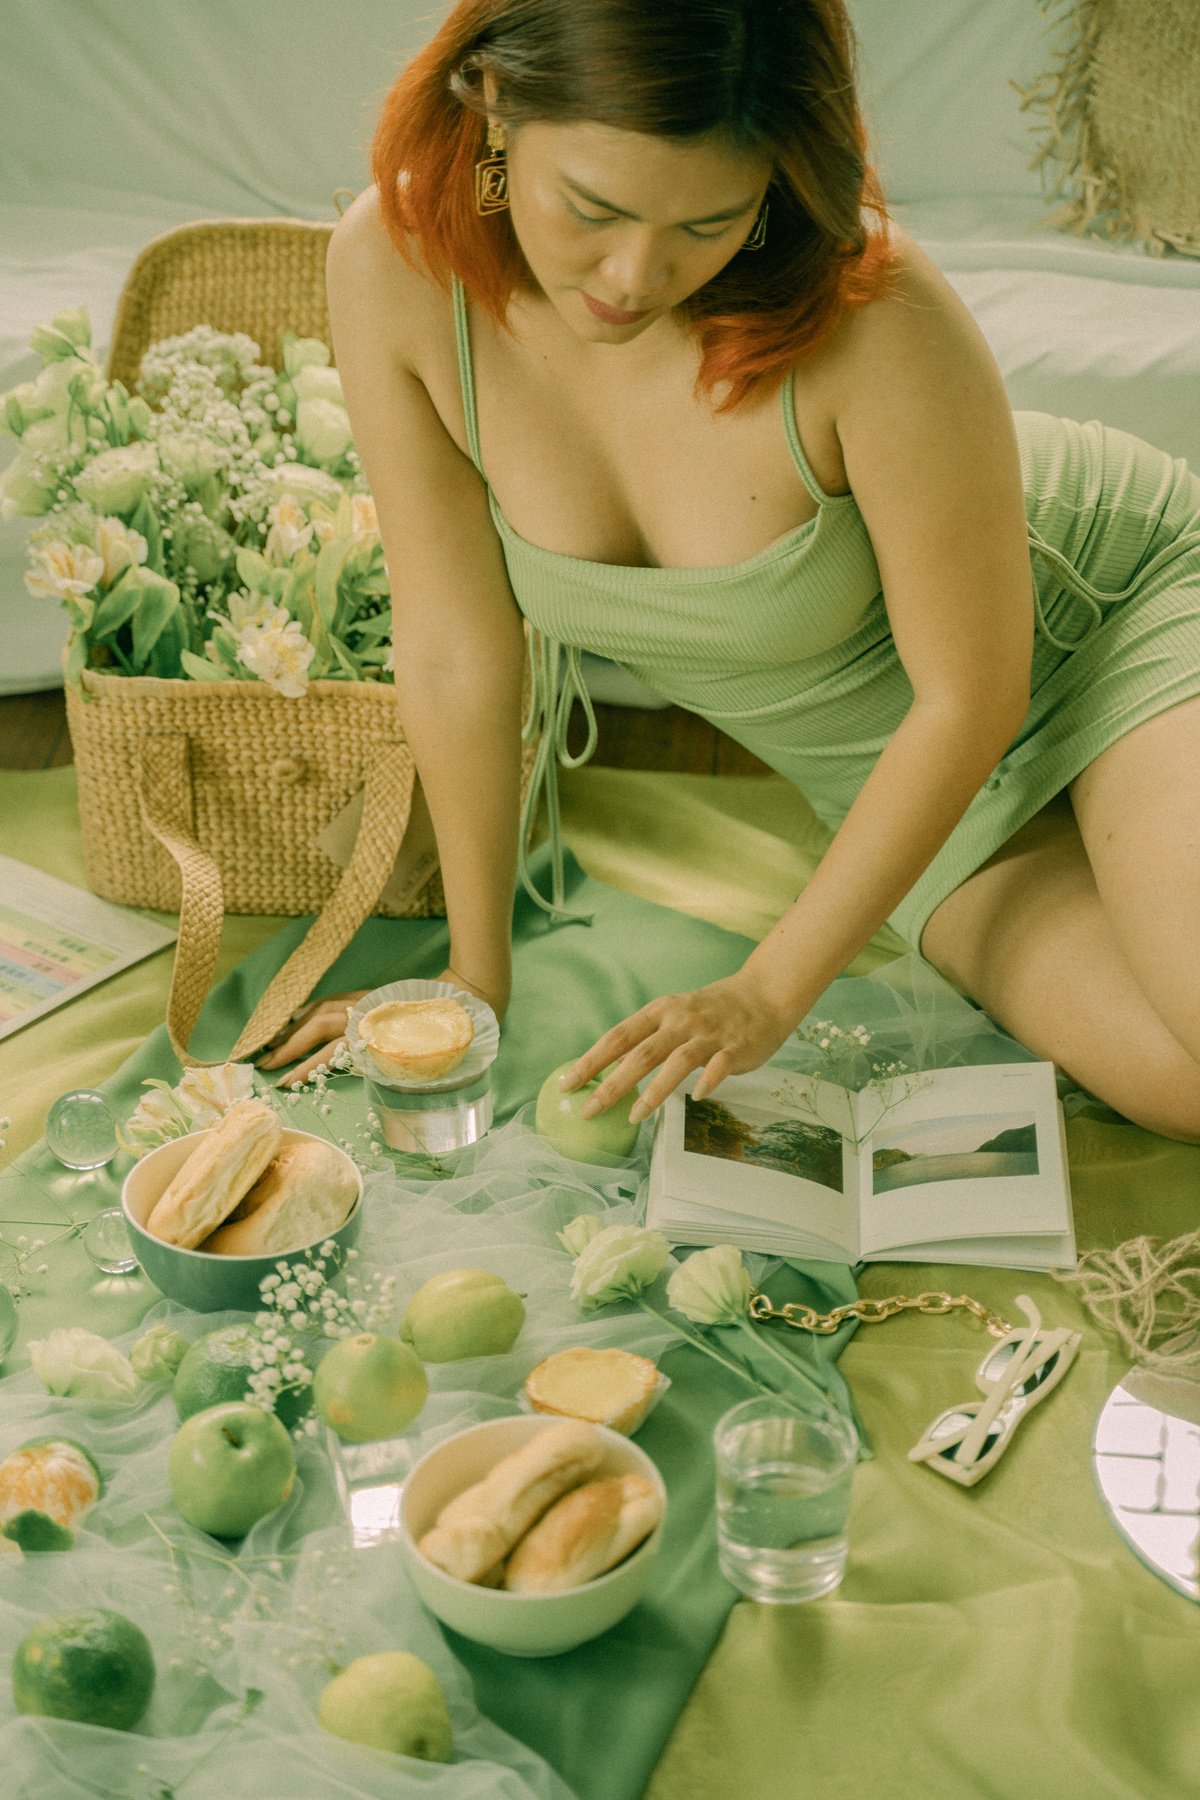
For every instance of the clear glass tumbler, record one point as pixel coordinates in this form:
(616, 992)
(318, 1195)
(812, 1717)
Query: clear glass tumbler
(784, 1471)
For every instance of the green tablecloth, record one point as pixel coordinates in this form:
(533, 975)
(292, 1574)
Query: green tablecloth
(998, 1642)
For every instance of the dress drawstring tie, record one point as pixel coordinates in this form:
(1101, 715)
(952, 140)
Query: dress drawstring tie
(1096, 599)
(556, 683)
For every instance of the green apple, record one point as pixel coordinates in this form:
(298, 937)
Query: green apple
(609, 1138)
(460, 1313)
(369, 1386)
(230, 1466)
(391, 1701)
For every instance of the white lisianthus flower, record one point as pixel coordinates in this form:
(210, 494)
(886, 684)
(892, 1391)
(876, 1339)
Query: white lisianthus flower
(711, 1287)
(619, 1263)
(290, 530)
(116, 480)
(118, 546)
(22, 494)
(304, 353)
(315, 383)
(155, 1120)
(576, 1236)
(278, 654)
(190, 456)
(323, 430)
(207, 1094)
(77, 1362)
(308, 484)
(158, 1353)
(62, 571)
(324, 525)
(363, 517)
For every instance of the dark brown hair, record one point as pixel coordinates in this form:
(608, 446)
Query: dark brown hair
(772, 77)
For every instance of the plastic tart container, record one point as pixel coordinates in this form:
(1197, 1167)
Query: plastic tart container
(430, 1117)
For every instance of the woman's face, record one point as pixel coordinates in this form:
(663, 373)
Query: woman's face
(618, 228)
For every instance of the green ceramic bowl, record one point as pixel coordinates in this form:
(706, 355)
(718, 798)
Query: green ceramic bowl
(519, 1624)
(198, 1278)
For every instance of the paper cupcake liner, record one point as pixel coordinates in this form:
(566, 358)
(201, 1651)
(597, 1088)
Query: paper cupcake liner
(476, 1062)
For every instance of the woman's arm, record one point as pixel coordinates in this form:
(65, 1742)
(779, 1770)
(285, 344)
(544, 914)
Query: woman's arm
(459, 640)
(927, 438)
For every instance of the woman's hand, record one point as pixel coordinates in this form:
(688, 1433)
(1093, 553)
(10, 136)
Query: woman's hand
(723, 1029)
(318, 1031)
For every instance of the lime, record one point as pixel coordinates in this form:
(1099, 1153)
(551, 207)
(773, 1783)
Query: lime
(369, 1386)
(391, 1701)
(218, 1367)
(95, 1666)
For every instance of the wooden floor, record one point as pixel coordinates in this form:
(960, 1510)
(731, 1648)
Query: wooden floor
(33, 735)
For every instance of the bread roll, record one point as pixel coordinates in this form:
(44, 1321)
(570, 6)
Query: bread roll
(417, 1040)
(480, 1526)
(583, 1534)
(222, 1168)
(606, 1387)
(306, 1193)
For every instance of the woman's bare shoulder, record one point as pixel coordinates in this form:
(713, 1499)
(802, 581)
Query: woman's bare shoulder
(916, 316)
(394, 300)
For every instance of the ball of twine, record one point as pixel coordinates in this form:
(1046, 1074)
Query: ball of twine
(1148, 1294)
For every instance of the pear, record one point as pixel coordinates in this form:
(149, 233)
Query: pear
(460, 1313)
(389, 1701)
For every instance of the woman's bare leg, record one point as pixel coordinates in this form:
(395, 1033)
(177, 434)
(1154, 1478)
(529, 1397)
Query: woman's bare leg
(1030, 938)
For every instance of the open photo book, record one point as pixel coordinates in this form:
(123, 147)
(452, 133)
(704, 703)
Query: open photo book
(963, 1165)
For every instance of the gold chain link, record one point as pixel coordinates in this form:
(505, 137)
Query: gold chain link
(873, 1312)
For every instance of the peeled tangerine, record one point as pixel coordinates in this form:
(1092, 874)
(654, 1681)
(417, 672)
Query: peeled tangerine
(46, 1487)
(460, 1313)
(391, 1701)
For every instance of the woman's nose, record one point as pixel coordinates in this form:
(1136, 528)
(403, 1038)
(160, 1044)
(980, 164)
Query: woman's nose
(637, 268)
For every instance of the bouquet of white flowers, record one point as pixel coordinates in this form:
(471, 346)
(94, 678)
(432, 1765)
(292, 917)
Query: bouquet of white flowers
(214, 525)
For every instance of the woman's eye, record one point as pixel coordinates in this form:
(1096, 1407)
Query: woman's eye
(706, 237)
(590, 218)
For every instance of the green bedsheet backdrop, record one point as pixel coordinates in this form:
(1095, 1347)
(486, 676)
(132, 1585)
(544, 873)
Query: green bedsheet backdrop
(999, 1642)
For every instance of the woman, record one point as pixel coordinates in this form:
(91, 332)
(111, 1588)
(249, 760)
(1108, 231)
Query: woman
(649, 367)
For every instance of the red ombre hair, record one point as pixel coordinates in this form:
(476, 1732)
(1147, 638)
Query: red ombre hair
(773, 77)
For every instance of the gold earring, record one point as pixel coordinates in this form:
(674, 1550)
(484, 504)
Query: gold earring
(758, 231)
(491, 174)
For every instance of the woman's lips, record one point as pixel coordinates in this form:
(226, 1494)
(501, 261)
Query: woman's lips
(611, 315)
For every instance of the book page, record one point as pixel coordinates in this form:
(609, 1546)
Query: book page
(769, 1146)
(56, 940)
(969, 1154)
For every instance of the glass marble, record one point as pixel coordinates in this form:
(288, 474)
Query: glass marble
(81, 1130)
(106, 1240)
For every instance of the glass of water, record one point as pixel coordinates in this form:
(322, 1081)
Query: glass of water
(784, 1471)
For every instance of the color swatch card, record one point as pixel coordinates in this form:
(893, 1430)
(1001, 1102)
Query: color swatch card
(57, 940)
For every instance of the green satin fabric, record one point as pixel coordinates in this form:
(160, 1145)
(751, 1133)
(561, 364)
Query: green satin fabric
(1002, 1642)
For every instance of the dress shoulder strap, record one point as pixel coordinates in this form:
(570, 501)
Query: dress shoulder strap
(787, 395)
(466, 372)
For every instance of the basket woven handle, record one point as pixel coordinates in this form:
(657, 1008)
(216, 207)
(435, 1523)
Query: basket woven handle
(165, 800)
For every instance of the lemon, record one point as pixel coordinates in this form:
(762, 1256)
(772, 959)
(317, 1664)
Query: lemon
(218, 1367)
(462, 1312)
(391, 1701)
(369, 1386)
(94, 1666)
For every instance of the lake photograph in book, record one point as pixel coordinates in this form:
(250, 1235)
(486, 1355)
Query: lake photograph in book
(762, 1139)
(956, 1149)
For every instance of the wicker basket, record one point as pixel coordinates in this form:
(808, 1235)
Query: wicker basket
(211, 796)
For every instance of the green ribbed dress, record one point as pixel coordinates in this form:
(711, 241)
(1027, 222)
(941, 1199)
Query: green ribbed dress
(790, 652)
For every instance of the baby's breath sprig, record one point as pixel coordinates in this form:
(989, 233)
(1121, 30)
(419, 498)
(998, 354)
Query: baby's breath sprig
(844, 1060)
(300, 1308)
(300, 1635)
(19, 1252)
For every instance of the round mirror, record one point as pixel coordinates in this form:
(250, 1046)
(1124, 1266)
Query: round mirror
(1146, 1460)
